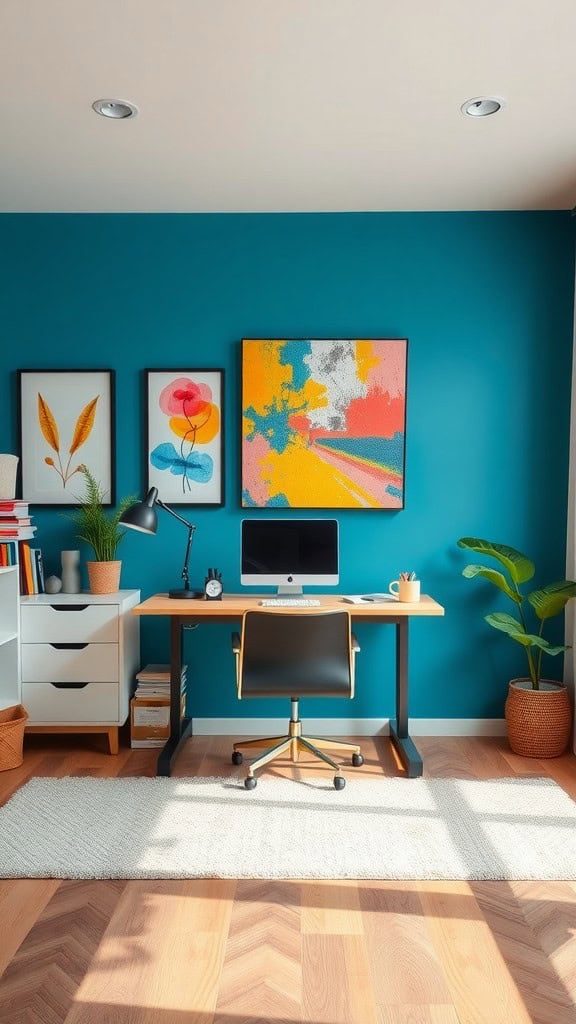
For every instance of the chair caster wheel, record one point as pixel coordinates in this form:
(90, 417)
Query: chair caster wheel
(357, 760)
(250, 782)
(237, 757)
(339, 782)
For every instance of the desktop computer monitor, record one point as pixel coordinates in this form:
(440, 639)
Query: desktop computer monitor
(289, 553)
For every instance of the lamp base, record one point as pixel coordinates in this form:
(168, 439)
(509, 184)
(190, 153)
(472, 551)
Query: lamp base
(183, 595)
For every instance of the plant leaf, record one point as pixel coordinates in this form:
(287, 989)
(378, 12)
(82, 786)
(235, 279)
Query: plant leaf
(84, 425)
(96, 527)
(514, 629)
(48, 424)
(506, 623)
(520, 568)
(495, 577)
(551, 600)
(552, 649)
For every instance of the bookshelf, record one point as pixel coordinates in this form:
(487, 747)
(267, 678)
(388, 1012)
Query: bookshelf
(9, 636)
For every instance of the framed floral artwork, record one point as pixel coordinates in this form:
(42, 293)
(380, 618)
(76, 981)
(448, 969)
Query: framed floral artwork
(323, 423)
(66, 421)
(185, 435)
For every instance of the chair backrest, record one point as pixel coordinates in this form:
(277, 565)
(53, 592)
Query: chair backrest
(296, 654)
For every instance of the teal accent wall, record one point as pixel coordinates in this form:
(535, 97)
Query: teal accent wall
(486, 300)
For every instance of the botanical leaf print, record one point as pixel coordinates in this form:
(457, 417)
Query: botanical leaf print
(48, 424)
(82, 431)
(84, 425)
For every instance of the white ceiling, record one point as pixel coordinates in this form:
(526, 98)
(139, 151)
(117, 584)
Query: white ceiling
(286, 105)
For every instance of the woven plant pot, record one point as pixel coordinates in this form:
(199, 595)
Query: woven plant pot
(538, 721)
(104, 577)
(12, 724)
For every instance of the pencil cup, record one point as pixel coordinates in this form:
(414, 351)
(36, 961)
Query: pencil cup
(405, 590)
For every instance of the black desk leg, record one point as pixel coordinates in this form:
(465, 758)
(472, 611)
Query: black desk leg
(180, 728)
(399, 729)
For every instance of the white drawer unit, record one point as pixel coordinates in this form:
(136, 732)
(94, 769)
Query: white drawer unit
(79, 655)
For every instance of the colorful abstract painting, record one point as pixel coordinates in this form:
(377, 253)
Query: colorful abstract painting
(184, 455)
(323, 423)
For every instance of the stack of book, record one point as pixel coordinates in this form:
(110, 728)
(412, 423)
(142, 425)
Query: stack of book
(16, 531)
(154, 681)
(150, 706)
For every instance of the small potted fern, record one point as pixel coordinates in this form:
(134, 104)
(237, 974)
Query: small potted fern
(101, 531)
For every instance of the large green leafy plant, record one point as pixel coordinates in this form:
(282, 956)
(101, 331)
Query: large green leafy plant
(539, 605)
(98, 528)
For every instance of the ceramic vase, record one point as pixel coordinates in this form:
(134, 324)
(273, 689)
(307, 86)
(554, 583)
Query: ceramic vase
(70, 572)
(53, 585)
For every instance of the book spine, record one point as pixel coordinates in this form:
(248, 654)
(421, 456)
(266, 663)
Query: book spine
(22, 571)
(27, 568)
(39, 569)
(33, 571)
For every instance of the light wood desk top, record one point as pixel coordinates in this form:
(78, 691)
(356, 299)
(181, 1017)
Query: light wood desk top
(234, 606)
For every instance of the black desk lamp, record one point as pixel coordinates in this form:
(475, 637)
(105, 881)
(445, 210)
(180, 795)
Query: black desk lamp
(143, 517)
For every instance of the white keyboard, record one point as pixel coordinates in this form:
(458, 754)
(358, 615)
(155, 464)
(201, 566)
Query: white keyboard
(290, 602)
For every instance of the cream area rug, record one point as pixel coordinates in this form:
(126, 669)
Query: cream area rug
(375, 828)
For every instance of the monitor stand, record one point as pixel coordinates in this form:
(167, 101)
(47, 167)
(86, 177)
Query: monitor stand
(289, 590)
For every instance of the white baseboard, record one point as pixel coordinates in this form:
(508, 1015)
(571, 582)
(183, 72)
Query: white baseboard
(349, 726)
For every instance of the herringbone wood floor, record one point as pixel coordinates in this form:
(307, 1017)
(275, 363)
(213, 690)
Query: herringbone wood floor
(258, 952)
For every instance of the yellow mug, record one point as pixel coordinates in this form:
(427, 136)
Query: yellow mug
(405, 590)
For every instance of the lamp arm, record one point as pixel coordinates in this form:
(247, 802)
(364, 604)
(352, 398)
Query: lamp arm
(171, 511)
(185, 575)
(191, 528)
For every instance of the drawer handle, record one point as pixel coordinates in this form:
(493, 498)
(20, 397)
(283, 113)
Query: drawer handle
(69, 647)
(69, 607)
(69, 686)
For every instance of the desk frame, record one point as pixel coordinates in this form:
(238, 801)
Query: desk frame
(182, 616)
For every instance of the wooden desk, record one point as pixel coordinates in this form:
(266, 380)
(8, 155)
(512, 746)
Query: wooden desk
(189, 613)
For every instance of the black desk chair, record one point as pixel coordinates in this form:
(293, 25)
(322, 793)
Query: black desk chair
(295, 654)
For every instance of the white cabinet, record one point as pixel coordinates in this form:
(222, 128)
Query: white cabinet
(9, 623)
(79, 657)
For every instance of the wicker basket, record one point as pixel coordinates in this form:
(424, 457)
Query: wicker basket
(104, 577)
(12, 723)
(538, 721)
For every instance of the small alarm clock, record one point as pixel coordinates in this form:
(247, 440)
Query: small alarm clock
(213, 585)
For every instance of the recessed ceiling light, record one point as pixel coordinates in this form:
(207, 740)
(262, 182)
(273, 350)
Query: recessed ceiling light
(115, 108)
(482, 106)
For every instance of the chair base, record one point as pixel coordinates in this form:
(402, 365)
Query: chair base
(295, 742)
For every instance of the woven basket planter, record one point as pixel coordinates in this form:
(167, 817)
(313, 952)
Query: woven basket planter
(104, 577)
(539, 721)
(12, 724)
